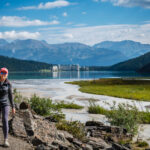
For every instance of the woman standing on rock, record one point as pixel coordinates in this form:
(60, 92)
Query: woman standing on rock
(6, 99)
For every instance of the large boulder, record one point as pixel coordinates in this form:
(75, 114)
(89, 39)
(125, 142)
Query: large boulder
(16, 127)
(44, 131)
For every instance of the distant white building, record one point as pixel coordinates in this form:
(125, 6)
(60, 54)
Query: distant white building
(54, 68)
(86, 68)
(75, 67)
(65, 68)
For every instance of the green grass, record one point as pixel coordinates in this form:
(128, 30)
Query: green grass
(68, 105)
(96, 109)
(76, 128)
(145, 117)
(122, 88)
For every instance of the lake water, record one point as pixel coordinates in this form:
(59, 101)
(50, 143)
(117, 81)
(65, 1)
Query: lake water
(52, 85)
(56, 89)
(75, 75)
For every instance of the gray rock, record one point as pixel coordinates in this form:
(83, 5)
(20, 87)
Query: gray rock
(87, 147)
(62, 145)
(77, 142)
(45, 131)
(98, 143)
(43, 147)
(38, 117)
(28, 122)
(66, 135)
(119, 147)
(16, 127)
(37, 141)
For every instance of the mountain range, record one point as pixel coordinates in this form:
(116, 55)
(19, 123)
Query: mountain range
(102, 54)
(129, 48)
(140, 64)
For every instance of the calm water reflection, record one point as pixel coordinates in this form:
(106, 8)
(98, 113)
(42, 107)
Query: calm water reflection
(75, 75)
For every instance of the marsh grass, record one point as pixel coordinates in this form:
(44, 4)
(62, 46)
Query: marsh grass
(145, 117)
(96, 109)
(62, 104)
(122, 88)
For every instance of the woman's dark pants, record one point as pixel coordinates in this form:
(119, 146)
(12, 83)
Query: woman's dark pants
(5, 112)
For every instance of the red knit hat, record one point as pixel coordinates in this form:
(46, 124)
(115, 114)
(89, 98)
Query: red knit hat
(4, 70)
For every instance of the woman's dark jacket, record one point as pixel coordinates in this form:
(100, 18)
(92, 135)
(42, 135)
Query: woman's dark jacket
(6, 98)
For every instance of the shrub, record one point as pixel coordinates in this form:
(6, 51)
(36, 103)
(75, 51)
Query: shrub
(142, 144)
(18, 98)
(43, 106)
(76, 128)
(56, 117)
(125, 116)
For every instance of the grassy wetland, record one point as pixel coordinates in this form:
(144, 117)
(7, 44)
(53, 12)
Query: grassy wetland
(137, 89)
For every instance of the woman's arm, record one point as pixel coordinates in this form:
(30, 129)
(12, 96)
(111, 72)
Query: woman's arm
(10, 96)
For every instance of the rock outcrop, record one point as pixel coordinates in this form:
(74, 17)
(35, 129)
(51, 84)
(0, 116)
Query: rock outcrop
(42, 134)
(108, 133)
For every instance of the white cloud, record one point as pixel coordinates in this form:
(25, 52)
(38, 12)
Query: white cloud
(19, 35)
(68, 35)
(48, 5)
(14, 21)
(7, 4)
(130, 3)
(95, 34)
(146, 22)
(83, 13)
(69, 23)
(80, 25)
(54, 17)
(96, 0)
(65, 14)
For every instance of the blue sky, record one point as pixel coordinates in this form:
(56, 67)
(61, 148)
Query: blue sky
(85, 21)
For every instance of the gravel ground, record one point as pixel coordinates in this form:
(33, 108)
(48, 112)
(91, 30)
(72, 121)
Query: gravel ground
(15, 143)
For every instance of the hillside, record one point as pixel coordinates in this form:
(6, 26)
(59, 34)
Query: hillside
(132, 64)
(22, 65)
(145, 68)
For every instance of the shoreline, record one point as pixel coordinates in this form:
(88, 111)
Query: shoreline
(57, 90)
